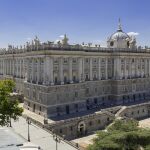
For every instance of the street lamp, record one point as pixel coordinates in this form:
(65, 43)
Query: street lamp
(56, 139)
(28, 120)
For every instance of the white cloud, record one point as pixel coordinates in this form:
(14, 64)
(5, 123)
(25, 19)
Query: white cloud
(133, 33)
(61, 36)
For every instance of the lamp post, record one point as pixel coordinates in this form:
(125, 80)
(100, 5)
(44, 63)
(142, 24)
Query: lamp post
(56, 139)
(28, 122)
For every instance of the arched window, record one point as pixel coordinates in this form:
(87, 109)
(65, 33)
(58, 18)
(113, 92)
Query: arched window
(74, 78)
(128, 44)
(56, 80)
(111, 43)
(65, 79)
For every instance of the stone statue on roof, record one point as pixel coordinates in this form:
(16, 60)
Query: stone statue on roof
(36, 41)
(65, 40)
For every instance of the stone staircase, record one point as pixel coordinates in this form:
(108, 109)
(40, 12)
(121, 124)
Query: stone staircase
(117, 115)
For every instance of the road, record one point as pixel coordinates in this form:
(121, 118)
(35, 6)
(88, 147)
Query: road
(39, 136)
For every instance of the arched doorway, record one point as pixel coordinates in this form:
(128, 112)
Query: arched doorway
(81, 128)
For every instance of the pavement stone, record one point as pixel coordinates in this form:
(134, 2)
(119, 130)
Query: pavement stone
(39, 136)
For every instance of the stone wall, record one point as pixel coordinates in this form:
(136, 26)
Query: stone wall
(138, 111)
(81, 126)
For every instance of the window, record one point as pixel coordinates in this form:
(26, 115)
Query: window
(99, 121)
(55, 60)
(108, 119)
(65, 60)
(133, 60)
(74, 60)
(76, 94)
(71, 128)
(95, 77)
(60, 131)
(56, 80)
(87, 90)
(86, 77)
(90, 123)
(76, 106)
(87, 60)
(96, 90)
(95, 100)
(34, 94)
(95, 60)
(128, 44)
(40, 108)
(74, 78)
(111, 43)
(65, 79)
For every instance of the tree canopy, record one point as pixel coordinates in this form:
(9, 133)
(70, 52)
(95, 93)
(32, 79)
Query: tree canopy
(122, 135)
(8, 107)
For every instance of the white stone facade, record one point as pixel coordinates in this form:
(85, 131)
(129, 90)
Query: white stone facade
(59, 79)
(57, 82)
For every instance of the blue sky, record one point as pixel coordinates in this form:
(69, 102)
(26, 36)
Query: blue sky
(81, 20)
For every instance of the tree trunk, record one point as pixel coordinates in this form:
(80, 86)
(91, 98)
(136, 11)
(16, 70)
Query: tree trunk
(10, 122)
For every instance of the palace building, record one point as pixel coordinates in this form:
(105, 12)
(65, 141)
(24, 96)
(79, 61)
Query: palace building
(61, 79)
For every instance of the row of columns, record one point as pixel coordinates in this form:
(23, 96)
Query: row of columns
(44, 70)
(48, 72)
(133, 68)
(12, 67)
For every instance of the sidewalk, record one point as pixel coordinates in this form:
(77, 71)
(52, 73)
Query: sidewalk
(38, 136)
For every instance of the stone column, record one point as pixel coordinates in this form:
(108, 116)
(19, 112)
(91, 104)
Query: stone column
(7, 66)
(32, 70)
(91, 69)
(130, 67)
(20, 68)
(70, 70)
(117, 68)
(99, 69)
(51, 71)
(80, 74)
(3, 66)
(44, 71)
(13, 71)
(38, 71)
(28, 69)
(136, 67)
(141, 70)
(138, 64)
(0, 66)
(61, 70)
(83, 61)
(125, 68)
(145, 68)
(17, 74)
(149, 67)
(106, 68)
(23, 68)
(48, 70)
(10, 66)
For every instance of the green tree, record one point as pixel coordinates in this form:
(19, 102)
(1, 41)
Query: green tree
(122, 135)
(8, 107)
